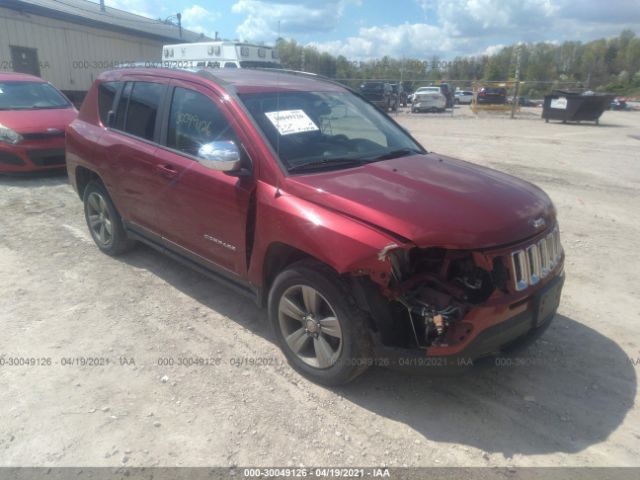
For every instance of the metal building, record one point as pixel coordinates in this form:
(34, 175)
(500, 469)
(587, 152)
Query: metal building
(69, 42)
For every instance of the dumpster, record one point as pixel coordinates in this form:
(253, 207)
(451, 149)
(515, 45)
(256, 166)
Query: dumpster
(575, 107)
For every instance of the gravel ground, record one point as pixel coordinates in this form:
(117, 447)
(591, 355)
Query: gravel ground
(567, 401)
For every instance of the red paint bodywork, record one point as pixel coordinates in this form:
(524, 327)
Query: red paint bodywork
(344, 218)
(35, 123)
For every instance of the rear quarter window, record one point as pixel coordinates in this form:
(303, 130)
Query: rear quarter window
(106, 96)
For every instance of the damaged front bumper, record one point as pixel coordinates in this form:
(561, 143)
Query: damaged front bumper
(438, 309)
(488, 330)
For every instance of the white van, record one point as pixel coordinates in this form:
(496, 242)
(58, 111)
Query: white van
(219, 54)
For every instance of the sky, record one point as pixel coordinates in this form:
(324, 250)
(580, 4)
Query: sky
(367, 29)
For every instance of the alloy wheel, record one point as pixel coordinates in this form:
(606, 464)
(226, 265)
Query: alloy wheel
(99, 219)
(310, 326)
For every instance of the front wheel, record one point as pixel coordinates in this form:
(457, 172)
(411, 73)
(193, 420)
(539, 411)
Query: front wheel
(317, 324)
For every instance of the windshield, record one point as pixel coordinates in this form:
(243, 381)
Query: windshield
(30, 96)
(326, 129)
(372, 86)
(494, 91)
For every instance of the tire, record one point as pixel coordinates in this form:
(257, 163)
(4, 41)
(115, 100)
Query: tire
(104, 222)
(334, 347)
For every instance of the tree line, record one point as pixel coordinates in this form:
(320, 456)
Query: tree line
(611, 65)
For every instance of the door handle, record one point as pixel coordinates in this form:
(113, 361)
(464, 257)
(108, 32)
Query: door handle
(167, 171)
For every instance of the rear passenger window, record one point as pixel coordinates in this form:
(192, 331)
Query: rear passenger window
(142, 110)
(106, 96)
(121, 111)
(195, 120)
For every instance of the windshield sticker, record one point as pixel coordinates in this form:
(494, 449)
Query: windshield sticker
(291, 121)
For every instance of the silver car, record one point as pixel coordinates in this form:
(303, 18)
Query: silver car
(428, 99)
(463, 97)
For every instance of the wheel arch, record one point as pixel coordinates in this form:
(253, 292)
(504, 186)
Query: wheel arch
(83, 176)
(277, 258)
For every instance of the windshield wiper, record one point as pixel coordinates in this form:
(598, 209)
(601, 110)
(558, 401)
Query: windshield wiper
(401, 152)
(325, 163)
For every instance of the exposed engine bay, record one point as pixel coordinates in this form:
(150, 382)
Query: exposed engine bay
(431, 290)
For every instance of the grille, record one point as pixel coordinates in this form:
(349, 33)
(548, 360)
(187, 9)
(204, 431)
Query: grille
(45, 158)
(10, 158)
(535, 262)
(43, 135)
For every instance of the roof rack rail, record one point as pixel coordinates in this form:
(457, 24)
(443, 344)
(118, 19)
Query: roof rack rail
(300, 73)
(206, 73)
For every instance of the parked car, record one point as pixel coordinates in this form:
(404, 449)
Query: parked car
(400, 94)
(463, 97)
(618, 104)
(365, 248)
(380, 94)
(33, 119)
(492, 95)
(428, 99)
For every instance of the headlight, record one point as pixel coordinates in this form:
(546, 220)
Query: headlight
(9, 136)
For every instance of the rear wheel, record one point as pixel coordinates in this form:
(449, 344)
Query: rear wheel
(104, 222)
(319, 328)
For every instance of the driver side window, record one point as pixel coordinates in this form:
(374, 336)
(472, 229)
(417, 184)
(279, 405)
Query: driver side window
(195, 120)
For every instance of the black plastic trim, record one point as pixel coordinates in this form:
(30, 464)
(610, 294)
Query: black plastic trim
(191, 260)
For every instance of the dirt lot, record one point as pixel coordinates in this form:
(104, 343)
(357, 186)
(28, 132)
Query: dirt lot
(569, 400)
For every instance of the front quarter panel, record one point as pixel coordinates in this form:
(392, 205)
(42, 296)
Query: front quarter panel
(339, 241)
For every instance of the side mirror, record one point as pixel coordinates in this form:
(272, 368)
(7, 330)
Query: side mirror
(221, 156)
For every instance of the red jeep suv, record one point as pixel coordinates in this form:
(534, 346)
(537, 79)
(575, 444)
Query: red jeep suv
(294, 190)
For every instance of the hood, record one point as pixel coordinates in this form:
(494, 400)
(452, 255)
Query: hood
(432, 200)
(35, 121)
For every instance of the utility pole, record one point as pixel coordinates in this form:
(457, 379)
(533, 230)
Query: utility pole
(517, 82)
(169, 20)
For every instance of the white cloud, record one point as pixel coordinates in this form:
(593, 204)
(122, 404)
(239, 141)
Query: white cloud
(464, 27)
(493, 49)
(267, 19)
(408, 40)
(488, 17)
(195, 17)
(196, 13)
